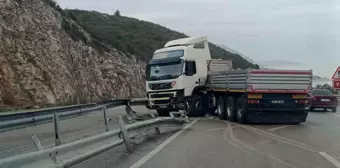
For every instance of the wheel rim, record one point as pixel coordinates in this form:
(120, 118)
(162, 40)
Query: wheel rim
(239, 111)
(197, 105)
(219, 109)
(229, 110)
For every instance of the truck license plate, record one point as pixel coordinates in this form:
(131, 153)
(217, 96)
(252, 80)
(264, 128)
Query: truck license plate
(162, 106)
(278, 101)
(325, 100)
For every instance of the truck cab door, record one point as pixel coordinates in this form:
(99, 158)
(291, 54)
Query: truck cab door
(190, 77)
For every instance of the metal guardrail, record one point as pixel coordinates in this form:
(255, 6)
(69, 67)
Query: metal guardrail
(22, 119)
(27, 113)
(67, 155)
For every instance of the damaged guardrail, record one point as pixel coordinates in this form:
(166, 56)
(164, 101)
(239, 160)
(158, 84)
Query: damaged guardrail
(18, 120)
(69, 154)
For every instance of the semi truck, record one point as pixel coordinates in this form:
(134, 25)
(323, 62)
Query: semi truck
(183, 76)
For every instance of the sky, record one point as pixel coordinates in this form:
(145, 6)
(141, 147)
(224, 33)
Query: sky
(284, 34)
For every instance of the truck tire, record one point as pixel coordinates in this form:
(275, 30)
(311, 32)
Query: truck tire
(163, 113)
(241, 110)
(195, 106)
(334, 109)
(230, 109)
(221, 112)
(310, 108)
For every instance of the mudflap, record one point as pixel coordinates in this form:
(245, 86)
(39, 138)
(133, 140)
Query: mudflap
(277, 117)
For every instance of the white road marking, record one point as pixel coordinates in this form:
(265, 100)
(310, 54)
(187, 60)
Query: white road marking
(277, 128)
(337, 115)
(148, 156)
(218, 129)
(282, 139)
(330, 159)
(252, 148)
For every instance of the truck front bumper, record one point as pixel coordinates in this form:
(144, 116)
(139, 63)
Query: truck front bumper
(169, 100)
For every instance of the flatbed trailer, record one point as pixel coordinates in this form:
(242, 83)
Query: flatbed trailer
(259, 95)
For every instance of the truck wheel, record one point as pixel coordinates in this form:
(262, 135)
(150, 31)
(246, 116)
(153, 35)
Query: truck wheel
(310, 108)
(334, 109)
(231, 109)
(163, 113)
(241, 110)
(195, 107)
(221, 108)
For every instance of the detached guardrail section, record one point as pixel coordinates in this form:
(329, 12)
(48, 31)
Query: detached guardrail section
(66, 155)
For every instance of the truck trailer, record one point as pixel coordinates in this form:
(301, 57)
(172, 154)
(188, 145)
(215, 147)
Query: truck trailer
(182, 76)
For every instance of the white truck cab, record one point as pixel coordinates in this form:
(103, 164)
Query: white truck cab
(174, 71)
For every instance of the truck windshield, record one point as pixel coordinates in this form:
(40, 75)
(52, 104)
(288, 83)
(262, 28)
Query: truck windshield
(162, 71)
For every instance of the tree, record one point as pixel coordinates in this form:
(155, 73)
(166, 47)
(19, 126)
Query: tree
(117, 13)
(327, 86)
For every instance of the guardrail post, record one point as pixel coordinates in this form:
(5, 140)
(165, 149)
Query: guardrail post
(37, 143)
(158, 131)
(124, 134)
(56, 128)
(151, 114)
(105, 119)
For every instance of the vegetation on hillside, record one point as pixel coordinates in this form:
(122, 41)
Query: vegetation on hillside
(128, 35)
(327, 86)
(138, 37)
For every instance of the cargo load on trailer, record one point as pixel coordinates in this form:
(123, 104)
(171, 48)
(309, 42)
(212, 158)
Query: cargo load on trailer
(182, 76)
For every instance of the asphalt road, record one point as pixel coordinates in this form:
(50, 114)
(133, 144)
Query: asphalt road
(216, 143)
(19, 141)
(203, 143)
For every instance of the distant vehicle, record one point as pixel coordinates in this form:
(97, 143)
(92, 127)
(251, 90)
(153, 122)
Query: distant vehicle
(182, 76)
(322, 98)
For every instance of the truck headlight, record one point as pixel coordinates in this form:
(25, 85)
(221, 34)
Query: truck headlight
(173, 84)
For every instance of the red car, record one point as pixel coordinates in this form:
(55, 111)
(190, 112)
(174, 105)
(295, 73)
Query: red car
(322, 98)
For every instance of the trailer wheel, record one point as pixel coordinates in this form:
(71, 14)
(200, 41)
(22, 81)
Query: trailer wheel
(231, 116)
(221, 112)
(334, 109)
(241, 110)
(163, 113)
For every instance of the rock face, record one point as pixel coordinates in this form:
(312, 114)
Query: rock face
(41, 64)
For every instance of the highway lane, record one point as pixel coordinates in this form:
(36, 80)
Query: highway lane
(217, 143)
(19, 141)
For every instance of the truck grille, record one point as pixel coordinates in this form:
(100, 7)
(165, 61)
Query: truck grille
(160, 86)
(161, 95)
(161, 101)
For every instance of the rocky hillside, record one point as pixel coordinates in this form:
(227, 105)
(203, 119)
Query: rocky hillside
(50, 56)
(138, 37)
(43, 63)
